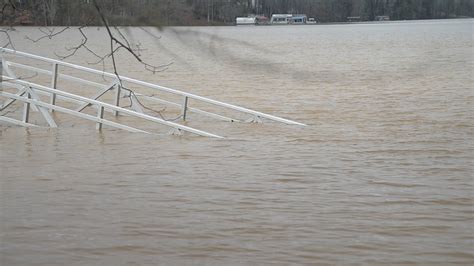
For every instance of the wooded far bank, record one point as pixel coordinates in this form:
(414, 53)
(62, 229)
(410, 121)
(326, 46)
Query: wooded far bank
(220, 12)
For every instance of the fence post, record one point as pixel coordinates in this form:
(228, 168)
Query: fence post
(117, 97)
(100, 115)
(185, 108)
(26, 109)
(54, 82)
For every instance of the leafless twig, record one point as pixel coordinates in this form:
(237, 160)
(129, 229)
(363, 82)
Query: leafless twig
(72, 50)
(6, 32)
(48, 33)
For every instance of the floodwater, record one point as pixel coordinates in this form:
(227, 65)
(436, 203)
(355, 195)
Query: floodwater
(383, 173)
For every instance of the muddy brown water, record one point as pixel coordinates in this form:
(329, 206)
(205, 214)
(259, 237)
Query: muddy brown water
(383, 173)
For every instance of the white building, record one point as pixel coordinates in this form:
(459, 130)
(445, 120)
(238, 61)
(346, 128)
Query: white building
(281, 18)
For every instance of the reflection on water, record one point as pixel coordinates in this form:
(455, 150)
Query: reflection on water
(383, 173)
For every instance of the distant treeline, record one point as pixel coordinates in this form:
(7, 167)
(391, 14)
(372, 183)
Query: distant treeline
(215, 12)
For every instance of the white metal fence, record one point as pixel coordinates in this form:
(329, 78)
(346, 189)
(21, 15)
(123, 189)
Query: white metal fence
(27, 92)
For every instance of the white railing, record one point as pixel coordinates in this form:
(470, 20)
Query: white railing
(55, 92)
(101, 108)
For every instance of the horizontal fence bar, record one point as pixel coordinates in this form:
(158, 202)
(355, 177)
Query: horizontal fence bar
(16, 122)
(154, 86)
(190, 109)
(72, 112)
(63, 76)
(59, 97)
(116, 108)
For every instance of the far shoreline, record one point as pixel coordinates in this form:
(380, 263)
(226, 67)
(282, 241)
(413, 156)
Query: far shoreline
(261, 25)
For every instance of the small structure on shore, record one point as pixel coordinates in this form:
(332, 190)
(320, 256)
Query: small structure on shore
(281, 18)
(245, 21)
(298, 19)
(252, 20)
(289, 19)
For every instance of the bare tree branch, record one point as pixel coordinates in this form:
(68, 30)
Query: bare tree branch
(115, 41)
(48, 33)
(9, 42)
(74, 49)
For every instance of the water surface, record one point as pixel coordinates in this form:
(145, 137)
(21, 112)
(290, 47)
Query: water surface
(382, 174)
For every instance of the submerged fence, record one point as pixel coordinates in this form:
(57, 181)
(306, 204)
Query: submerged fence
(32, 96)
